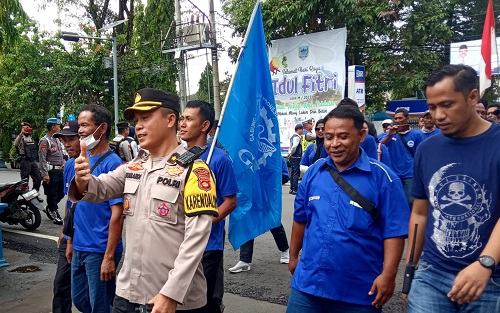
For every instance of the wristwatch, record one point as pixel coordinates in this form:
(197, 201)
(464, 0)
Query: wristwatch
(487, 262)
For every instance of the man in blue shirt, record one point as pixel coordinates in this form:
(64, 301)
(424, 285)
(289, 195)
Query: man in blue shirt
(402, 142)
(97, 241)
(457, 205)
(195, 123)
(349, 260)
(61, 303)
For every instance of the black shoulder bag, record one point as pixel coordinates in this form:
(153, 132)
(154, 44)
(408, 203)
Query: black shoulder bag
(406, 145)
(354, 194)
(68, 226)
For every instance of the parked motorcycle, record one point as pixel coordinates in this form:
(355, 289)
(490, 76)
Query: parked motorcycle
(21, 209)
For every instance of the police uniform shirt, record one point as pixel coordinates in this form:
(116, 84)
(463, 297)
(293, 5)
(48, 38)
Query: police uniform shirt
(167, 230)
(124, 148)
(51, 152)
(25, 141)
(222, 167)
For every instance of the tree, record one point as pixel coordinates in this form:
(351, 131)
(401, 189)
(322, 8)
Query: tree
(38, 78)
(398, 42)
(11, 14)
(147, 66)
(205, 85)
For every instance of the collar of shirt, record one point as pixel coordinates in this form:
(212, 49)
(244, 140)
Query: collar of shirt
(362, 163)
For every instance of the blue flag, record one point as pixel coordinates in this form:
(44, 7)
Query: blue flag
(250, 133)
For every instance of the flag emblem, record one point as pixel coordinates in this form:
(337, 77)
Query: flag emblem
(303, 52)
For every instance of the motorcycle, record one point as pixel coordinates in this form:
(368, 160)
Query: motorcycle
(21, 209)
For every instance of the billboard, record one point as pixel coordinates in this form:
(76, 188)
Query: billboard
(308, 77)
(469, 53)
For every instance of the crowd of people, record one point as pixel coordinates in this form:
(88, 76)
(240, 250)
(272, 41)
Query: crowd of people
(360, 196)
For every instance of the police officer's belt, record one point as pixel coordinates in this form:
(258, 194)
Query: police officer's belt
(354, 194)
(55, 167)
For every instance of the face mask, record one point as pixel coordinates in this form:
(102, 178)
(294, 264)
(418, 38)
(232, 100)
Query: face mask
(90, 141)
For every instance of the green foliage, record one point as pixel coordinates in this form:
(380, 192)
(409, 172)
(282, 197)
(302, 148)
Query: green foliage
(11, 14)
(399, 42)
(38, 78)
(205, 85)
(146, 66)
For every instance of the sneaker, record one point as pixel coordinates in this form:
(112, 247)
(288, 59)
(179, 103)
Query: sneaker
(47, 212)
(285, 257)
(292, 192)
(240, 267)
(56, 219)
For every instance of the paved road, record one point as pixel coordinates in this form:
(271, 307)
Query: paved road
(267, 281)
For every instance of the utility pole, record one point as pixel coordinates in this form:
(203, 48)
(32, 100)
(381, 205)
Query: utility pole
(215, 62)
(179, 55)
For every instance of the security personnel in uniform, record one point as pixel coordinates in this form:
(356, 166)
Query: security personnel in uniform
(51, 166)
(124, 150)
(27, 150)
(168, 207)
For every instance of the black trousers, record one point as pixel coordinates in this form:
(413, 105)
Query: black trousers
(61, 303)
(122, 305)
(54, 190)
(295, 173)
(211, 263)
(30, 168)
(279, 234)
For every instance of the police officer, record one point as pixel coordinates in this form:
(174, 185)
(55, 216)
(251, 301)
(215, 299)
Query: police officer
(27, 150)
(120, 144)
(51, 166)
(168, 207)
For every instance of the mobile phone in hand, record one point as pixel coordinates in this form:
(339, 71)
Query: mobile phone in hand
(403, 128)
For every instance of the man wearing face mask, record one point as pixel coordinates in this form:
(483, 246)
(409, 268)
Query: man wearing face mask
(97, 245)
(51, 165)
(27, 150)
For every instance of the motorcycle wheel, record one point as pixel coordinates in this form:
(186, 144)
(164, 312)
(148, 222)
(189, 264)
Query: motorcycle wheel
(35, 219)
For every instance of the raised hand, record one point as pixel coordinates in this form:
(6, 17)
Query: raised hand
(82, 169)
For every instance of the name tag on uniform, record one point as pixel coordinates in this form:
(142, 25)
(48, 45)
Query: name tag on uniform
(168, 181)
(314, 198)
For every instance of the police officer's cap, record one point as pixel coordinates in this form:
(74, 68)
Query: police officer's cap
(123, 125)
(53, 121)
(148, 99)
(309, 121)
(69, 129)
(25, 124)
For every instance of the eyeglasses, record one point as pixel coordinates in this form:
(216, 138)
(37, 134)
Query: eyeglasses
(319, 128)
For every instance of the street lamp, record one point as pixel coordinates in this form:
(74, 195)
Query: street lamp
(75, 37)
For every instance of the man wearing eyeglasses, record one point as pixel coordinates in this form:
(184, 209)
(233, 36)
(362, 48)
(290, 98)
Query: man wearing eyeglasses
(493, 112)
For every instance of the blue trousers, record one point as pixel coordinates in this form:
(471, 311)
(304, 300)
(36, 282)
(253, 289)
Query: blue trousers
(89, 293)
(429, 289)
(301, 302)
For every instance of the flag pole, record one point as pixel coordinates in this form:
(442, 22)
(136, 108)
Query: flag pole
(250, 23)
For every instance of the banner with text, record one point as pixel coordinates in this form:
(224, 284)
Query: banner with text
(308, 76)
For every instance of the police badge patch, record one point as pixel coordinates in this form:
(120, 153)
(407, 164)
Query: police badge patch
(203, 176)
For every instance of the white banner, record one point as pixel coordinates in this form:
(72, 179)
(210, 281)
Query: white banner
(469, 53)
(308, 76)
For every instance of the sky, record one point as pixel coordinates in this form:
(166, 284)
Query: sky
(198, 59)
